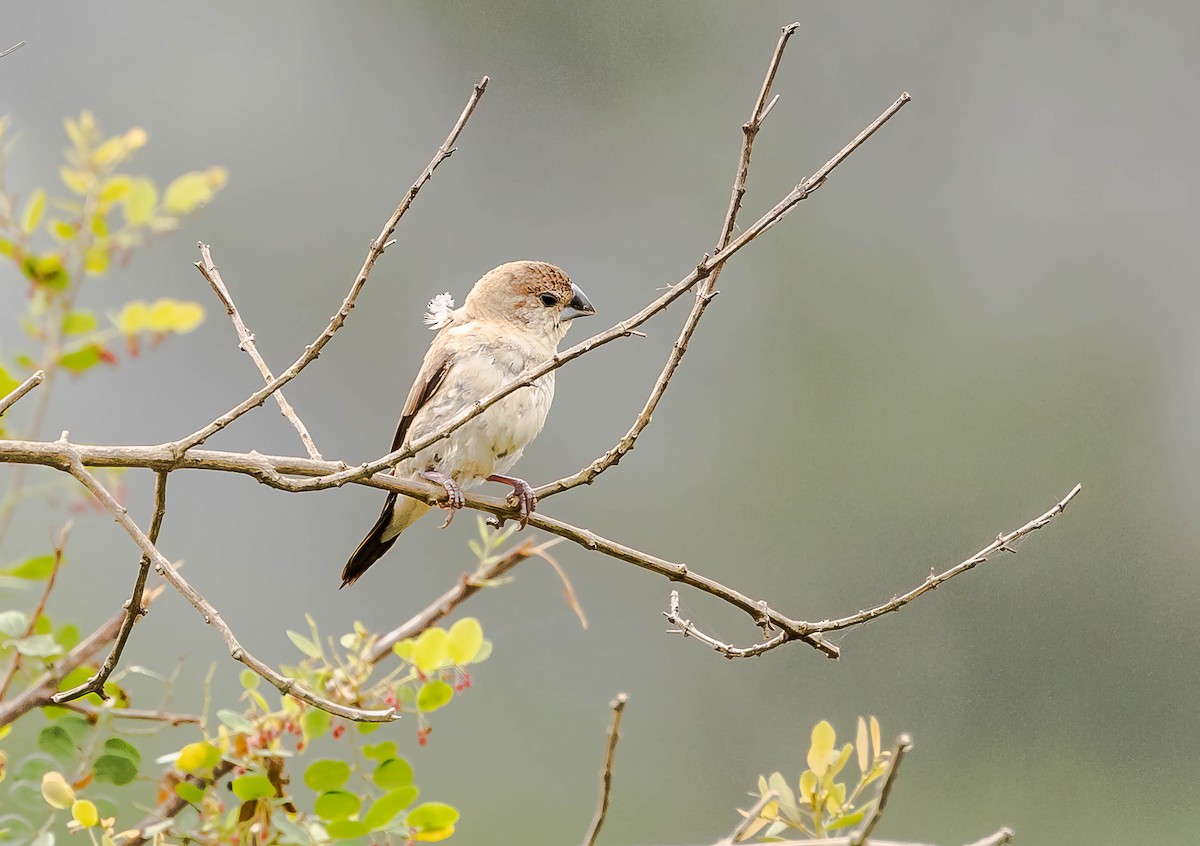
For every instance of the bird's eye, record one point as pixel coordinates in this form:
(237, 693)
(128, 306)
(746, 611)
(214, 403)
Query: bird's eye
(548, 300)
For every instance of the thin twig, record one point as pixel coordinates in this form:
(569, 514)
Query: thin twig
(40, 691)
(704, 294)
(610, 752)
(1000, 544)
(16, 46)
(287, 686)
(623, 329)
(739, 830)
(59, 548)
(30, 383)
(134, 610)
(441, 607)
(998, 838)
(689, 629)
(208, 269)
(96, 711)
(903, 745)
(373, 253)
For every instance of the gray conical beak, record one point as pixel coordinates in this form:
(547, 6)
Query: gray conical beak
(580, 305)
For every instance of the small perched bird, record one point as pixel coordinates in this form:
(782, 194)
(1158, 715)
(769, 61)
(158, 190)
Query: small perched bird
(512, 319)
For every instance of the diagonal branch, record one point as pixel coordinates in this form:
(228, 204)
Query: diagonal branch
(134, 609)
(704, 295)
(376, 249)
(59, 549)
(903, 745)
(25, 387)
(208, 269)
(610, 753)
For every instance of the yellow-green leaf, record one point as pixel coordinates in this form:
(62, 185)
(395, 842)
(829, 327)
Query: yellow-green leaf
(875, 743)
(134, 317)
(7, 247)
(860, 742)
(35, 207)
(82, 359)
(85, 813)
(808, 787)
(116, 188)
(188, 192)
(64, 230)
(840, 761)
(465, 638)
(823, 739)
(7, 384)
(433, 835)
(56, 791)
(198, 758)
(78, 181)
(432, 649)
(95, 260)
(140, 201)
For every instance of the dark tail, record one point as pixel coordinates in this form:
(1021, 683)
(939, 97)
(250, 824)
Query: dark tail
(373, 545)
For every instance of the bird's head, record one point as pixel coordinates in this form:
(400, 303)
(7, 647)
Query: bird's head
(534, 295)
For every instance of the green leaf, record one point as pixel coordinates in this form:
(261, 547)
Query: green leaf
(346, 829)
(336, 805)
(315, 723)
(35, 569)
(326, 774)
(78, 322)
(368, 728)
(249, 679)
(429, 815)
(140, 201)
(7, 383)
(485, 652)
(79, 728)
(33, 767)
(13, 623)
(235, 721)
(38, 646)
(189, 792)
(465, 640)
(54, 740)
(846, 821)
(34, 208)
(82, 359)
(392, 773)
(304, 644)
(380, 751)
(117, 746)
(115, 769)
(167, 315)
(254, 786)
(433, 695)
(67, 635)
(386, 807)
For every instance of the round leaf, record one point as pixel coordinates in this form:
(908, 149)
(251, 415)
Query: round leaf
(432, 815)
(393, 773)
(55, 740)
(56, 791)
(336, 805)
(823, 739)
(346, 829)
(85, 813)
(189, 792)
(198, 758)
(433, 695)
(115, 769)
(380, 751)
(432, 649)
(386, 807)
(117, 746)
(255, 786)
(326, 774)
(315, 723)
(466, 637)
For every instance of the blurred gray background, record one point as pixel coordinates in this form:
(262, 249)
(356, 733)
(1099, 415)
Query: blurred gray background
(993, 300)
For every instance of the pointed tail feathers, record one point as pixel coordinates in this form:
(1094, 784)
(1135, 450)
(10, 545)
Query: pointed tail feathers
(393, 519)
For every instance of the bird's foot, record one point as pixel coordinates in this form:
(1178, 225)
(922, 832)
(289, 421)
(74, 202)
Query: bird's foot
(454, 494)
(522, 492)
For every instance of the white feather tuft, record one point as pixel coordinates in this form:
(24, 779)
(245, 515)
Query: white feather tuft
(440, 308)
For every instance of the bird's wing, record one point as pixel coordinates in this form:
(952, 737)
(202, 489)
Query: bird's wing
(437, 364)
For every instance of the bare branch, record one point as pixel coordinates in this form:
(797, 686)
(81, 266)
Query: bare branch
(39, 693)
(30, 383)
(610, 752)
(1004, 835)
(373, 253)
(688, 629)
(11, 49)
(134, 609)
(441, 607)
(704, 295)
(74, 465)
(94, 712)
(1000, 544)
(208, 269)
(903, 745)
